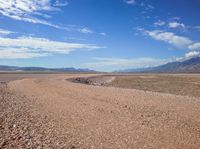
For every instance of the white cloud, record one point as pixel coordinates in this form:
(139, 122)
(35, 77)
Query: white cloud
(195, 46)
(19, 53)
(192, 54)
(27, 47)
(197, 27)
(170, 38)
(110, 64)
(148, 7)
(159, 23)
(187, 56)
(5, 32)
(61, 4)
(33, 11)
(131, 63)
(176, 25)
(86, 30)
(37, 12)
(103, 34)
(175, 18)
(130, 2)
(28, 10)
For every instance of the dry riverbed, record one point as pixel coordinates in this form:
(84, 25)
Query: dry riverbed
(53, 112)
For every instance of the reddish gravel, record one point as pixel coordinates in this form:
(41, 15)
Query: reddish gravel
(55, 113)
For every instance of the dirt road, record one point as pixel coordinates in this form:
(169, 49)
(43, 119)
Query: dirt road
(56, 113)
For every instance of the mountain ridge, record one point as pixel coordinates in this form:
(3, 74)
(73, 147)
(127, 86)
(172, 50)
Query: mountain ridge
(191, 65)
(43, 69)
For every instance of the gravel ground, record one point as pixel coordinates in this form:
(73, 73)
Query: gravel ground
(178, 84)
(55, 113)
(22, 125)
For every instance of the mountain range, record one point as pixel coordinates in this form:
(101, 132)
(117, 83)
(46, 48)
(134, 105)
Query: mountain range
(187, 66)
(42, 69)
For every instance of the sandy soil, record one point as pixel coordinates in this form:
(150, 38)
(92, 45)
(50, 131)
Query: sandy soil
(53, 112)
(7, 76)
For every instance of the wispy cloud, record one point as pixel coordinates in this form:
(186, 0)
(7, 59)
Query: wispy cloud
(130, 63)
(103, 34)
(194, 28)
(5, 32)
(27, 10)
(175, 18)
(160, 23)
(19, 53)
(28, 47)
(144, 62)
(86, 30)
(130, 2)
(146, 8)
(37, 12)
(60, 4)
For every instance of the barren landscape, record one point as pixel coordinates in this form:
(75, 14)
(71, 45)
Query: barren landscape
(113, 111)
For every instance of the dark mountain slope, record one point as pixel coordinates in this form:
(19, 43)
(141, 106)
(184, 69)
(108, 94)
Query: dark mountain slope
(188, 66)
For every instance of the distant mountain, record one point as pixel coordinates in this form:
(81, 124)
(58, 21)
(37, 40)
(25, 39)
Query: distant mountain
(191, 66)
(188, 66)
(42, 69)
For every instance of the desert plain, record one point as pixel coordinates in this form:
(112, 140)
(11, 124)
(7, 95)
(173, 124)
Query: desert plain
(101, 111)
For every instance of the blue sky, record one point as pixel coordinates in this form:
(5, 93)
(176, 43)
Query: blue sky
(104, 35)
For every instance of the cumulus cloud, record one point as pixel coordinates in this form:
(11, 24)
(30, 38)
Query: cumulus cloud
(176, 25)
(170, 38)
(187, 56)
(195, 46)
(28, 47)
(192, 54)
